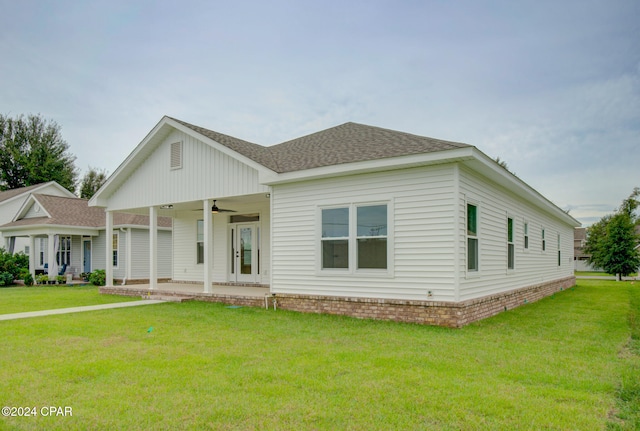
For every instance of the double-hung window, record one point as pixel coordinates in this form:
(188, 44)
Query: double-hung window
(511, 249)
(114, 246)
(354, 237)
(472, 237)
(200, 241)
(526, 236)
(64, 251)
(335, 238)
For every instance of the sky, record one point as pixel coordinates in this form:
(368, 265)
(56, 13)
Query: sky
(550, 87)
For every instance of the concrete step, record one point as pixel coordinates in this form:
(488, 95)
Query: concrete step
(168, 298)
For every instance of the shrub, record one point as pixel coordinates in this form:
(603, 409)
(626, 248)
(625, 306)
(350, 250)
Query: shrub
(98, 277)
(26, 276)
(42, 278)
(6, 279)
(13, 263)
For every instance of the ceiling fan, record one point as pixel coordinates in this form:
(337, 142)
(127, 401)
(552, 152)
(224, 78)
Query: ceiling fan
(216, 210)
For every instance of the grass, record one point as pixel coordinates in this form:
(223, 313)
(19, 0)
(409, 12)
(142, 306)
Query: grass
(36, 298)
(568, 362)
(598, 274)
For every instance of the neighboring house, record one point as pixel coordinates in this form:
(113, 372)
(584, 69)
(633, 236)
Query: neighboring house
(580, 258)
(73, 232)
(12, 200)
(354, 220)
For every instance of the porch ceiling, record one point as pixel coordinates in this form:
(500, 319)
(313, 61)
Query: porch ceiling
(227, 202)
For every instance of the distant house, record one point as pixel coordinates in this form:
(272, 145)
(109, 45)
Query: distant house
(67, 228)
(580, 258)
(355, 220)
(12, 200)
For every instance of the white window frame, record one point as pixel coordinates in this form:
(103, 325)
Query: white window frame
(352, 268)
(115, 253)
(543, 244)
(478, 206)
(199, 241)
(63, 255)
(559, 252)
(511, 244)
(526, 237)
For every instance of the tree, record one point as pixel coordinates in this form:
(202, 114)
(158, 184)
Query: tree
(91, 182)
(612, 241)
(32, 151)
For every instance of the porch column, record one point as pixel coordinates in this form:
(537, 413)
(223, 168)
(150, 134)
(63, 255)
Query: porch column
(51, 256)
(153, 248)
(207, 233)
(32, 256)
(108, 269)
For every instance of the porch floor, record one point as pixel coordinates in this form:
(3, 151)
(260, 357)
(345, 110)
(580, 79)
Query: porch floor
(229, 294)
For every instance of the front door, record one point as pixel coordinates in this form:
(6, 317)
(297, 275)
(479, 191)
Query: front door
(245, 254)
(86, 256)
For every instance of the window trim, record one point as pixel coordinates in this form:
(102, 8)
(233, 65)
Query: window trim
(63, 254)
(199, 242)
(115, 255)
(475, 237)
(543, 244)
(525, 235)
(511, 244)
(352, 269)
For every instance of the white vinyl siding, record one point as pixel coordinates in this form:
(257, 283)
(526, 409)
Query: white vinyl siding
(421, 210)
(533, 267)
(206, 172)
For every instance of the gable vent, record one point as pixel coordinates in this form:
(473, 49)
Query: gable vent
(176, 155)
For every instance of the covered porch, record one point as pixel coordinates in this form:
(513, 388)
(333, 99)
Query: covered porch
(219, 246)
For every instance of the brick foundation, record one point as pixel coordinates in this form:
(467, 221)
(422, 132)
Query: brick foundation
(449, 314)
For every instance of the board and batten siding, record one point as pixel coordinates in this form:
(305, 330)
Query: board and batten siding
(532, 265)
(205, 172)
(422, 254)
(185, 267)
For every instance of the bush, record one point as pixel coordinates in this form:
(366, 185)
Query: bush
(13, 263)
(26, 276)
(6, 279)
(98, 277)
(42, 278)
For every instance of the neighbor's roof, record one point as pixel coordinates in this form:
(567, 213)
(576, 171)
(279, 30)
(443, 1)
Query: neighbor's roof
(347, 143)
(8, 194)
(76, 212)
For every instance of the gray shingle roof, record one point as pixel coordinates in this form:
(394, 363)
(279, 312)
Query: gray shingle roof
(8, 194)
(347, 143)
(77, 213)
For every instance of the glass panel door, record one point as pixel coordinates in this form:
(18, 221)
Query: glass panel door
(244, 253)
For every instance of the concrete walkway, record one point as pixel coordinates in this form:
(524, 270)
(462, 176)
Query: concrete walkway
(78, 309)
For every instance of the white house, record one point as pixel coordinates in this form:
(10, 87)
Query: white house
(354, 220)
(67, 228)
(12, 200)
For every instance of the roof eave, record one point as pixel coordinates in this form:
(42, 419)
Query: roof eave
(491, 169)
(378, 165)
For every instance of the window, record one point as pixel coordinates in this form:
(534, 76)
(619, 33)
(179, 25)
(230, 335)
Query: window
(510, 245)
(335, 238)
(526, 235)
(200, 241)
(472, 237)
(63, 254)
(176, 155)
(372, 237)
(559, 254)
(41, 253)
(114, 247)
(354, 237)
(544, 242)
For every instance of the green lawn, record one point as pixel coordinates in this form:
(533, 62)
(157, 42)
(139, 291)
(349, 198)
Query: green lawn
(35, 298)
(568, 362)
